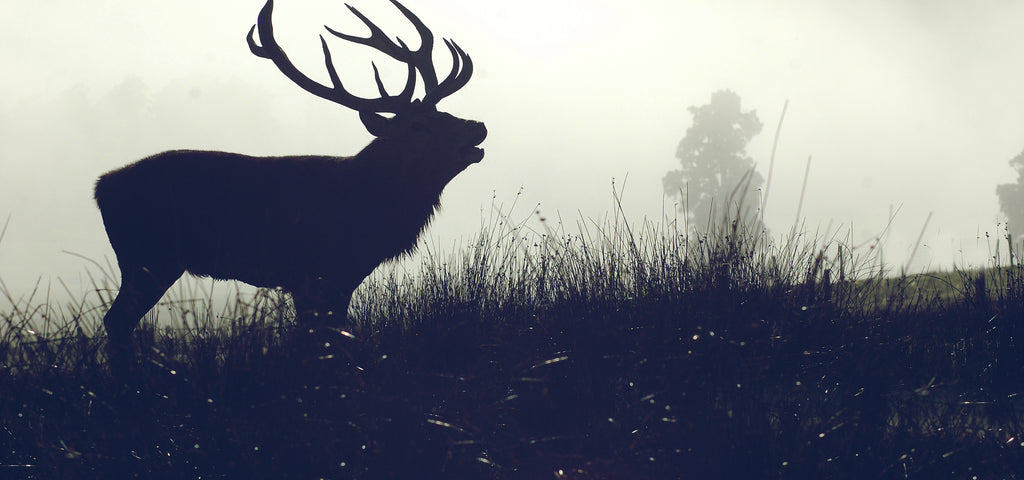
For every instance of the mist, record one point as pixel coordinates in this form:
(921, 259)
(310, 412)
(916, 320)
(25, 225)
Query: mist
(909, 110)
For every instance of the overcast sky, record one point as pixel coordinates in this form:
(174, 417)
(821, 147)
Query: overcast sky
(905, 105)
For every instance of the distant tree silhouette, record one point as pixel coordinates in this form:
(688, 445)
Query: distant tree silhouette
(1011, 199)
(716, 177)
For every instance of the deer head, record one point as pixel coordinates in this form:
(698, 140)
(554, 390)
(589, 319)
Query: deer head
(409, 115)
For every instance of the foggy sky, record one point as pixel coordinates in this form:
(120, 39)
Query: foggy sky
(905, 106)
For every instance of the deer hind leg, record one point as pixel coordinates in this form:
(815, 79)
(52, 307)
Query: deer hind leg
(141, 289)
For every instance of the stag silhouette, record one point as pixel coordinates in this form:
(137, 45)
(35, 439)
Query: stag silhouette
(315, 226)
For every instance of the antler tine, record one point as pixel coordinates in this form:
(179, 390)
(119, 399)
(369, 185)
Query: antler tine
(424, 55)
(403, 98)
(421, 58)
(377, 39)
(272, 51)
(456, 79)
(410, 84)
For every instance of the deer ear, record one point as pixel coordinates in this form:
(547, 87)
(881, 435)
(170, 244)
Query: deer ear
(375, 123)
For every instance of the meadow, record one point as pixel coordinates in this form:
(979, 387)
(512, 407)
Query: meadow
(600, 350)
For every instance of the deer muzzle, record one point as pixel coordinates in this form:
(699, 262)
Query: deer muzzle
(471, 152)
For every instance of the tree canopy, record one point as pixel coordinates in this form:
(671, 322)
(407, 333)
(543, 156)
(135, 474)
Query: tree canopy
(1011, 199)
(716, 179)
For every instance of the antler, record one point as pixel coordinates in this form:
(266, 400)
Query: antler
(455, 80)
(419, 60)
(271, 50)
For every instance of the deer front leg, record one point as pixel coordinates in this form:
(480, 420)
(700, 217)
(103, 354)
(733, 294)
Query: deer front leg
(321, 302)
(321, 315)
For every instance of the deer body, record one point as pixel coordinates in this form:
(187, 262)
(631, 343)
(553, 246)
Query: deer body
(313, 225)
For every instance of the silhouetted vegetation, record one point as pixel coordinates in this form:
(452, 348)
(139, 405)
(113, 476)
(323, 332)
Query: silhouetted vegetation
(620, 351)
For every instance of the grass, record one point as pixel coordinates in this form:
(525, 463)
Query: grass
(613, 351)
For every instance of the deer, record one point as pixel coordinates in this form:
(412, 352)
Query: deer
(315, 226)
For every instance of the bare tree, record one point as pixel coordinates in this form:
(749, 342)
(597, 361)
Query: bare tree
(313, 225)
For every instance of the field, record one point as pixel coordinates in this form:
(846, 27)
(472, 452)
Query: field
(616, 351)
